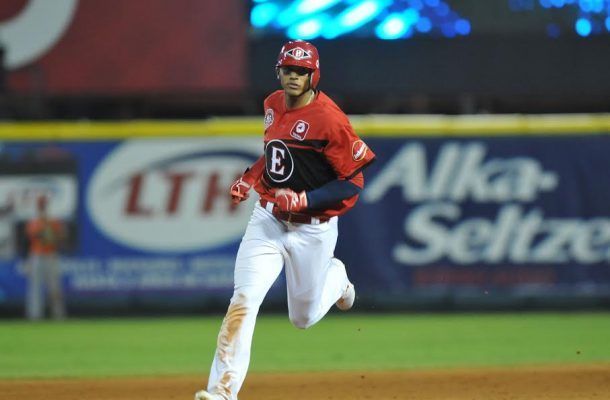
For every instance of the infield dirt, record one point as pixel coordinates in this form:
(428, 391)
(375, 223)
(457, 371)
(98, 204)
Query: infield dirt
(582, 382)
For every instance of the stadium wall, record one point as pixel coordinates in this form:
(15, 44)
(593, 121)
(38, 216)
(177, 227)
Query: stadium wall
(467, 212)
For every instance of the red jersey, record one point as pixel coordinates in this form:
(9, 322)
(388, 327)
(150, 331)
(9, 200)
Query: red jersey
(307, 147)
(45, 235)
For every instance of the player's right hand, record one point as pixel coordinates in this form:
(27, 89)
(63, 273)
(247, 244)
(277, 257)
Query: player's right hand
(239, 191)
(288, 200)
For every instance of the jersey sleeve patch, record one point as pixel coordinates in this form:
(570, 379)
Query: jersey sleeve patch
(359, 149)
(268, 117)
(347, 153)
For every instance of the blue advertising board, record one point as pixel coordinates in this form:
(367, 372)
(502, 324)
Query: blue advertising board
(155, 227)
(502, 220)
(487, 221)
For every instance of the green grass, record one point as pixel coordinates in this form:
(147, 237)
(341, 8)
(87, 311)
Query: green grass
(111, 347)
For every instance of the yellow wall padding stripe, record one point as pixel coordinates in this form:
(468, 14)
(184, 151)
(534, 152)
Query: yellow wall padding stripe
(368, 125)
(482, 125)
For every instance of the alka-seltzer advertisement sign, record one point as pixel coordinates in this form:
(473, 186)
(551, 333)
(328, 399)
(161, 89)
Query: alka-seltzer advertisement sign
(491, 212)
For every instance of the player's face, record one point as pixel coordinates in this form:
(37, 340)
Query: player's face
(294, 80)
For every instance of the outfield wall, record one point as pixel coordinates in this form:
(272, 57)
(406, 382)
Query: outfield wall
(458, 212)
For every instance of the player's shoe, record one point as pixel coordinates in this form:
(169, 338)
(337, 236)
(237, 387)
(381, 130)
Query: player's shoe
(204, 395)
(346, 301)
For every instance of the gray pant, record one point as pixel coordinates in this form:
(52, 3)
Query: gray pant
(44, 279)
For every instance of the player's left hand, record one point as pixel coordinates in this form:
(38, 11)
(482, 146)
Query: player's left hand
(239, 190)
(288, 200)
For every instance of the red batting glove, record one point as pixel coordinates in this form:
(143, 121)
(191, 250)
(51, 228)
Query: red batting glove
(288, 200)
(239, 191)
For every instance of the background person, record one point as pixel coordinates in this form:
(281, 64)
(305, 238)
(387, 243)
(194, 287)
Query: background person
(46, 236)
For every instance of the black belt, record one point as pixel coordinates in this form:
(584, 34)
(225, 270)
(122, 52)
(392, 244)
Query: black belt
(296, 218)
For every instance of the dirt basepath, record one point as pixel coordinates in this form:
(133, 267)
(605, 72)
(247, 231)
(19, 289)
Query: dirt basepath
(544, 383)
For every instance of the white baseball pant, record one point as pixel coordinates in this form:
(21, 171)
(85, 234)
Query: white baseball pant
(44, 277)
(315, 280)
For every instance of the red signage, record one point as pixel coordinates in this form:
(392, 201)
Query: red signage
(118, 46)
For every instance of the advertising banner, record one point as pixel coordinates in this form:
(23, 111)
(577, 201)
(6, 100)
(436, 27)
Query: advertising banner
(442, 222)
(501, 220)
(153, 222)
(131, 47)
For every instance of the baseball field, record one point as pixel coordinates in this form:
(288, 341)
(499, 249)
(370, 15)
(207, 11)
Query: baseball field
(346, 356)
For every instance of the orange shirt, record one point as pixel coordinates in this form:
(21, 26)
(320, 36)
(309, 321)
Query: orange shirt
(307, 147)
(44, 235)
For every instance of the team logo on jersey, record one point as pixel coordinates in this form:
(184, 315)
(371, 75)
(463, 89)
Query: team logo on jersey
(268, 117)
(359, 150)
(299, 130)
(278, 161)
(298, 53)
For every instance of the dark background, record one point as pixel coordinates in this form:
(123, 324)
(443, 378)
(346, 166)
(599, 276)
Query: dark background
(193, 59)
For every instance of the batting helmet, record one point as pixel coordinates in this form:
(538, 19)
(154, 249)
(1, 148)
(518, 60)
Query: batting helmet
(301, 54)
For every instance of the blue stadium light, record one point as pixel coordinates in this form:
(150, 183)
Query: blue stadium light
(360, 13)
(308, 29)
(263, 14)
(545, 3)
(447, 30)
(597, 6)
(462, 27)
(287, 17)
(393, 27)
(608, 24)
(423, 25)
(442, 9)
(411, 16)
(387, 19)
(302, 8)
(416, 4)
(583, 27)
(313, 6)
(557, 3)
(354, 17)
(585, 5)
(397, 25)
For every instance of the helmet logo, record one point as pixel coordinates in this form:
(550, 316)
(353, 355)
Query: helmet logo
(298, 53)
(299, 130)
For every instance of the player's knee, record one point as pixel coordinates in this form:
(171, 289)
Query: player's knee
(239, 301)
(248, 295)
(302, 321)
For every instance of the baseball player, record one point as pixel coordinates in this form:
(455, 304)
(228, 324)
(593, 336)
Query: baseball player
(46, 235)
(310, 173)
